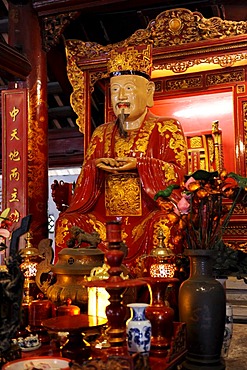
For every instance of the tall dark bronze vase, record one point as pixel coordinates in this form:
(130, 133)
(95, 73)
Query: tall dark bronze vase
(202, 306)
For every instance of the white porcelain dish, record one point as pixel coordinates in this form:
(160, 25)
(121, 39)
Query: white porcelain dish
(40, 363)
(28, 349)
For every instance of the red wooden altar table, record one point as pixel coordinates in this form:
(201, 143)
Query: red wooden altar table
(177, 351)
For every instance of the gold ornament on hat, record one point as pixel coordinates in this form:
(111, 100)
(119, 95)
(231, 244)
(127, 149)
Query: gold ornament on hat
(136, 60)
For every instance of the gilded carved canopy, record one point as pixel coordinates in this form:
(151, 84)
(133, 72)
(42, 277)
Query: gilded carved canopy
(181, 39)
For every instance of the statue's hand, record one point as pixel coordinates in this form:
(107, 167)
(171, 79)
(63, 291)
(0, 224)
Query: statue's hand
(107, 164)
(126, 163)
(116, 165)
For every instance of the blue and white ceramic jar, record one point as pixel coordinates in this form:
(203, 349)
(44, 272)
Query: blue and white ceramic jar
(228, 331)
(138, 329)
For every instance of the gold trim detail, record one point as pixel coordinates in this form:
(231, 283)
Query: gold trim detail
(138, 230)
(158, 86)
(240, 89)
(244, 107)
(123, 195)
(36, 143)
(62, 231)
(77, 79)
(98, 226)
(53, 27)
(224, 77)
(221, 60)
(163, 225)
(131, 59)
(190, 27)
(195, 142)
(181, 26)
(94, 77)
(238, 246)
(184, 83)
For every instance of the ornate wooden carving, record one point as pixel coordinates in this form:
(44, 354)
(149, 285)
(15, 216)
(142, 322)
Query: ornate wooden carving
(177, 33)
(219, 78)
(53, 27)
(183, 83)
(175, 28)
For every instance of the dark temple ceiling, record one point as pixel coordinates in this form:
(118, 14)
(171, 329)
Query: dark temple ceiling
(104, 22)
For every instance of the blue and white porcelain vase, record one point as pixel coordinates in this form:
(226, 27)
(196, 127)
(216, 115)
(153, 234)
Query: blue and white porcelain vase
(228, 330)
(138, 329)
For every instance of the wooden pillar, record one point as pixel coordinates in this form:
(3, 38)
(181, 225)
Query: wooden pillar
(25, 35)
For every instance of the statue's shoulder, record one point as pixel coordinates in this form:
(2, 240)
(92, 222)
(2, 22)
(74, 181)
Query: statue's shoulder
(164, 120)
(101, 129)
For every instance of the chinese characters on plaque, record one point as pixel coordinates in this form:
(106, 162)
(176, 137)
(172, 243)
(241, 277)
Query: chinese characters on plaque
(14, 152)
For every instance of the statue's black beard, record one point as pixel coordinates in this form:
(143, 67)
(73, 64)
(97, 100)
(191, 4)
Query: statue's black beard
(120, 124)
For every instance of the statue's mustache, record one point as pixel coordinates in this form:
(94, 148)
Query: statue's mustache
(123, 105)
(120, 123)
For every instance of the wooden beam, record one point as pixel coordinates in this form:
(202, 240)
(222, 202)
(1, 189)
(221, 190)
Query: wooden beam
(14, 63)
(64, 111)
(54, 87)
(66, 148)
(48, 7)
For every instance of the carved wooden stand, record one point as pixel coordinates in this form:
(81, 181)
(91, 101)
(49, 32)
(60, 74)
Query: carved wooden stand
(115, 286)
(117, 354)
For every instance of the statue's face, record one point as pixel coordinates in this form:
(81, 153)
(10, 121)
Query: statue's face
(131, 93)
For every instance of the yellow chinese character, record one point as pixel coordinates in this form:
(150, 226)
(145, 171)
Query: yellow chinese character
(15, 156)
(15, 216)
(14, 135)
(14, 113)
(14, 196)
(14, 174)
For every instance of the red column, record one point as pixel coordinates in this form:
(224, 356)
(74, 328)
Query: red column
(25, 35)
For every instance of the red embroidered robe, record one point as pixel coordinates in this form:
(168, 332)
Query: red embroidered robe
(160, 149)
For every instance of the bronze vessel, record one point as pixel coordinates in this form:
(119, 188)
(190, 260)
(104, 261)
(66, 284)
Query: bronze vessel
(70, 272)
